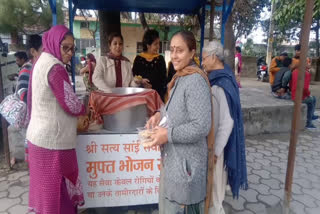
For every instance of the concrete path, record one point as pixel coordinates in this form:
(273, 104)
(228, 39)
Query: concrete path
(267, 164)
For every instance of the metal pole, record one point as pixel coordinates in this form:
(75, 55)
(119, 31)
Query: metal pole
(295, 127)
(317, 38)
(223, 25)
(4, 125)
(53, 5)
(270, 39)
(71, 17)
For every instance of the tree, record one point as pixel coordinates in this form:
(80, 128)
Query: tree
(143, 21)
(93, 29)
(109, 22)
(186, 22)
(229, 42)
(21, 17)
(246, 16)
(248, 48)
(288, 19)
(212, 11)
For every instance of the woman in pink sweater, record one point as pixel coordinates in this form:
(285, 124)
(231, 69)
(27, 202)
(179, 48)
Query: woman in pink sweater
(53, 106)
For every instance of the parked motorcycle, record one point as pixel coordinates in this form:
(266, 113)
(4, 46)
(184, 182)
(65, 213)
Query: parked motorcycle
(262, 70)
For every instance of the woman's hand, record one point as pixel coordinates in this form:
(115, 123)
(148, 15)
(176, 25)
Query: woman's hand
(159, 137)
(137, 79)
(146, 83)
(153, 121)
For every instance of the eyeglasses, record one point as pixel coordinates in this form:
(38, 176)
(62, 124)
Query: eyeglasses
(67, 48)
(206, 57)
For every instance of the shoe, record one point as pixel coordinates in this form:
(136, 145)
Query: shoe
(310, 126)
(315, 117)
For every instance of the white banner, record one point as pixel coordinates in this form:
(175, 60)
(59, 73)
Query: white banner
(117, 171)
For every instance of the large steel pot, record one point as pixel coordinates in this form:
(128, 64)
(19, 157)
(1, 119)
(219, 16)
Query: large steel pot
(129, 119)
(127, 90)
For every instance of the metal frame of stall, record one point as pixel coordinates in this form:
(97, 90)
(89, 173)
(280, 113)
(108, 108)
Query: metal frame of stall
(161, 6)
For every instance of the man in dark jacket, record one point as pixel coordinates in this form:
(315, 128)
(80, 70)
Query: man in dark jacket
(282, 78)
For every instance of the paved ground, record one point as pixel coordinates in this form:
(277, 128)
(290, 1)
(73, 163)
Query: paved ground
(266, 161)
(253, 83)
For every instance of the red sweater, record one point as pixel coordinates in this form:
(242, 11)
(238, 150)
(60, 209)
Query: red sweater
(294, 82)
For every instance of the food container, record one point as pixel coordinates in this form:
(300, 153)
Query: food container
(127, 90)
(129, 119)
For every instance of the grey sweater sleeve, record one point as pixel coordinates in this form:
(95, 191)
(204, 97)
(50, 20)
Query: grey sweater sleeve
(198, 104)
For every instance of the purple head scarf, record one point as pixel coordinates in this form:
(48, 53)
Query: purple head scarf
(52, 39)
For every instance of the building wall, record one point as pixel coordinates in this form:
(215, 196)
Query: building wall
(85, 33)
(76, 29)
(249, 66)
(131, 35)
(131, 32)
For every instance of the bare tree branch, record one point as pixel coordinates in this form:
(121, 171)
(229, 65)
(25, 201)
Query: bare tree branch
(92, 32)
(143, 21)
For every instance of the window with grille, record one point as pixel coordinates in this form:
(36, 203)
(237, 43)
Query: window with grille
(164, 46)
(139, 47)
(84, 25)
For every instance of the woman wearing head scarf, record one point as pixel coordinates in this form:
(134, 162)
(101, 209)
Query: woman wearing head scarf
(34, 50)
(53, 106)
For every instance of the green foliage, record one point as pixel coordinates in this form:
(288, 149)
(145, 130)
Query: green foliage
(247, 49)
(289, 14)
(185, 21)
(246, 15)
(22, 15)
(251, 49)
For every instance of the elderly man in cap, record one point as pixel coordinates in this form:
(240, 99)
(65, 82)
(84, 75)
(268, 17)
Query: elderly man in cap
(228, 127)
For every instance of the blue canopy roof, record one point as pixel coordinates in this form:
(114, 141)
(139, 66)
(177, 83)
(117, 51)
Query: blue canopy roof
(148, 6)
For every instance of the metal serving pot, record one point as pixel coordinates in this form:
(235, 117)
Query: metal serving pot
(129, 119)
(127, 90)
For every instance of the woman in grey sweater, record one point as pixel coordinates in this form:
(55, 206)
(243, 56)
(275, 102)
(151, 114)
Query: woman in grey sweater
(184, 142)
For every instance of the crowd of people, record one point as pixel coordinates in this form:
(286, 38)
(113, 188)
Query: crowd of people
(284, 78)
(202, 109)
(25, 60)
